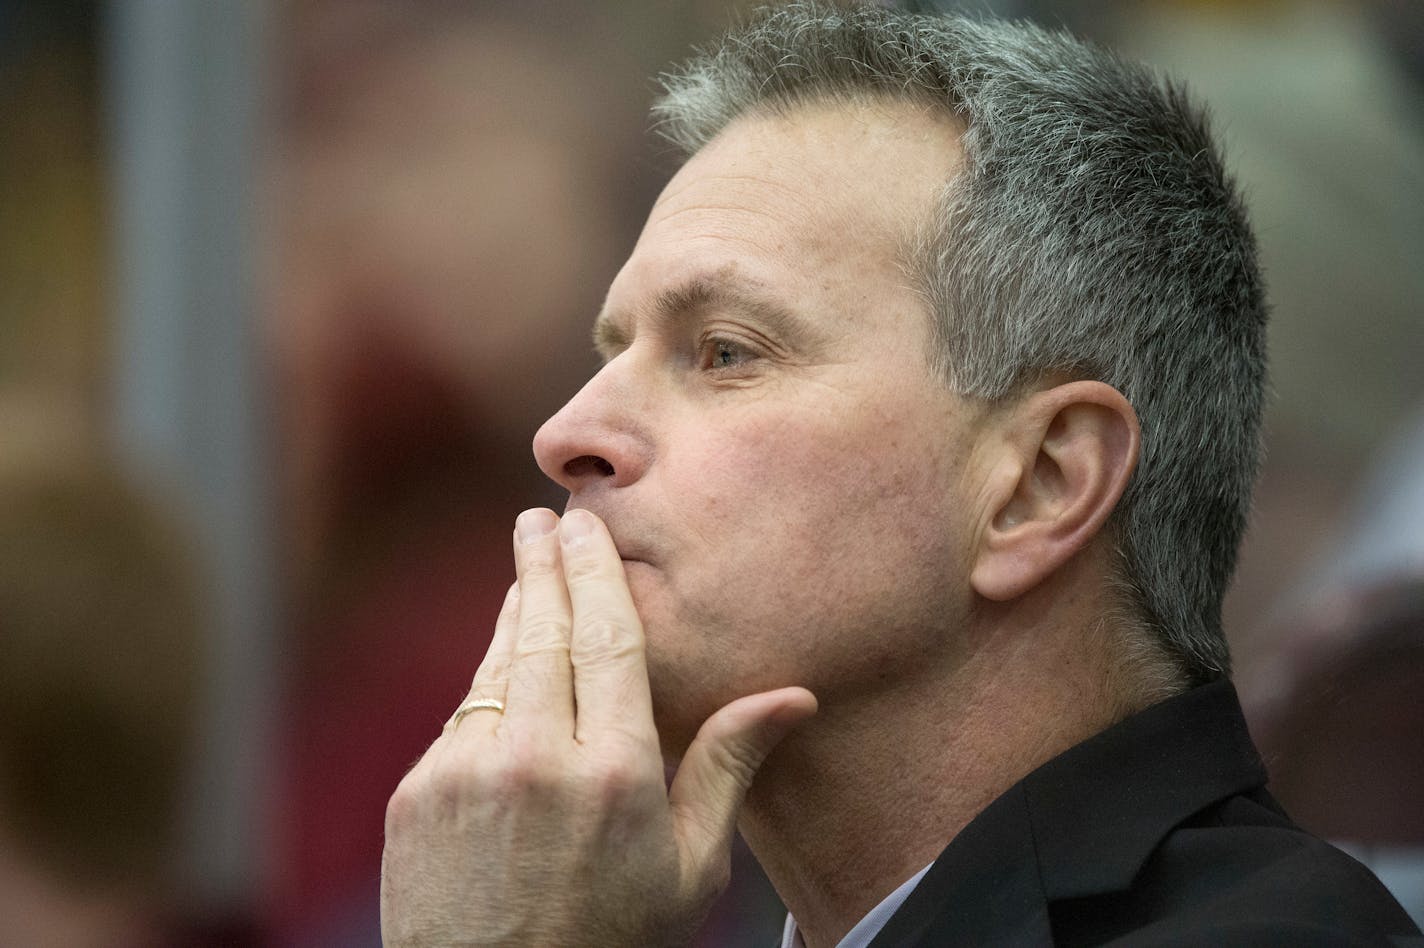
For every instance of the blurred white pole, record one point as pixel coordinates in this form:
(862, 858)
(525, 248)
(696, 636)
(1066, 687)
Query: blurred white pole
(184, 89)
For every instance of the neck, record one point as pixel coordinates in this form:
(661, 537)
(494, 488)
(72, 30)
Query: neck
(872, 790)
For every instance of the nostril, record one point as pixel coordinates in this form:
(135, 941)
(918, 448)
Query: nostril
(588, 464)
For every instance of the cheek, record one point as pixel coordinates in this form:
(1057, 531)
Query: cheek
(870, 468)
(787, 509)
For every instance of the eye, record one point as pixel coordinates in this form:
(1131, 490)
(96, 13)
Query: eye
(721, 354)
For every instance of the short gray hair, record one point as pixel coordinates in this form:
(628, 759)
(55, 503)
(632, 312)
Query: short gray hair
(1093, 231)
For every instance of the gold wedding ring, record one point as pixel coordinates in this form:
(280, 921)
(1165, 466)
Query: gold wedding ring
(474, 704)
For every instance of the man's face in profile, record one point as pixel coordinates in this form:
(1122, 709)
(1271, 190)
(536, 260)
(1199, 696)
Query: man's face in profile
(790, 486)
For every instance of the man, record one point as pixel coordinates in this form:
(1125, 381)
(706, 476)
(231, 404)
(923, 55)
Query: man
(932, 391)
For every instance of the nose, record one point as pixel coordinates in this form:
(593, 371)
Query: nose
(598, 439)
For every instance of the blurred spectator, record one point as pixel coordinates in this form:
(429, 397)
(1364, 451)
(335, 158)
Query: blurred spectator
(52, 331)
(99, 659)
(448, 209)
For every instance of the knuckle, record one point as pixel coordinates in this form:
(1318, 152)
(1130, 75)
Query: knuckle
(488, 679)
(620, 777)
(542, 633)
(405, 804)
(586, 568)
(432, 796)
(737, 758)
(606, 638)
(525, 768)
(450, 789)
(539, 562)
(614, 780)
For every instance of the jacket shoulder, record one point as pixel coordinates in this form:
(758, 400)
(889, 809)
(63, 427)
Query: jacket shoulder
(1240, 873)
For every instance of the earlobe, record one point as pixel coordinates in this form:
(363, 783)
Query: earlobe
(1067, 457)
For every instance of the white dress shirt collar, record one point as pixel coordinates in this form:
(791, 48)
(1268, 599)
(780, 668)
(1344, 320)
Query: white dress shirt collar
(868, 927)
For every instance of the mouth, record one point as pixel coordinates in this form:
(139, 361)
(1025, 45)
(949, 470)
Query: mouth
(628, 557)
(631, 558)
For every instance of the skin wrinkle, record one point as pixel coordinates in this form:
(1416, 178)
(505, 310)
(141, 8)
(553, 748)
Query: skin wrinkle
(791, 194)
(701, 294)
(743, 241)
(686, 304)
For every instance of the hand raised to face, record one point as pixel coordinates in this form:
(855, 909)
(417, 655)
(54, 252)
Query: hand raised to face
(540, 816)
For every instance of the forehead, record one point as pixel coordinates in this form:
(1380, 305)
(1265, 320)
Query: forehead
(816, 202)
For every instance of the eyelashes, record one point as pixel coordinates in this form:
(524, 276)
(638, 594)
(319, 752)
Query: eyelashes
(722, 355)
(717, 353)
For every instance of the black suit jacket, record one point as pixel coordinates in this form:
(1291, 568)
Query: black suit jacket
(1158, 831)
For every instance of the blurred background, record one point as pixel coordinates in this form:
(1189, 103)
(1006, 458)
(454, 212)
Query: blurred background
(286, 288)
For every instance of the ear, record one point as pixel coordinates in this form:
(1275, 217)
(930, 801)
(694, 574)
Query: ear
(1061, 467)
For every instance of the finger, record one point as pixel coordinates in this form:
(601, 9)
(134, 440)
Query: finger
(494, 669)
(708, 791)
(607, 648)
(492, 678)
(540, 695)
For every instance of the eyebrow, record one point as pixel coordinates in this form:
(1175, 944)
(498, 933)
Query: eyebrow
(701, 293)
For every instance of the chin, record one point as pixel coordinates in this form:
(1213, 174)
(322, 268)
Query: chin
(692, 667)
(675, 733)
(682, 701)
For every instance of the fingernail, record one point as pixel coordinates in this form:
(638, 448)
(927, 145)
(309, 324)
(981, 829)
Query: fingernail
(533, 524)
(577, 525)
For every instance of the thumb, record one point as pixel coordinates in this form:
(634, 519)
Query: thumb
(721, 761)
